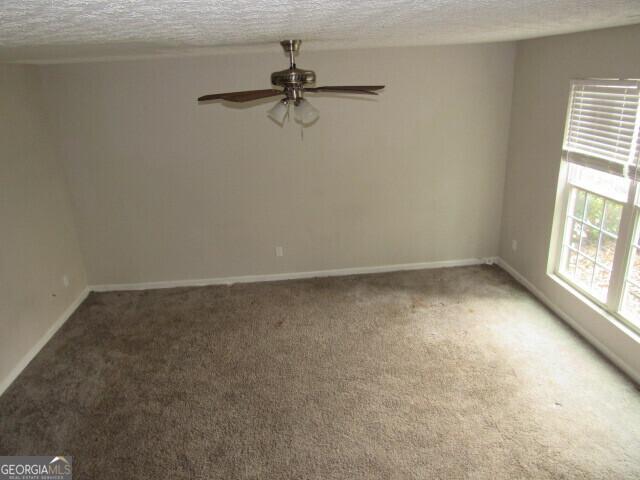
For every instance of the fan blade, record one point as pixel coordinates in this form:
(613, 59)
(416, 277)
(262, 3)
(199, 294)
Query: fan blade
(365, 89)
(245, 96)
(340, 90)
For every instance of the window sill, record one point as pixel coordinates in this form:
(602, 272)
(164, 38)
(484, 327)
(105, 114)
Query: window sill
(617, 321)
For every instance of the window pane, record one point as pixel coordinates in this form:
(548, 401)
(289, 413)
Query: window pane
(588, 250)
(589, 244)
(579, 198)
(600, 285)
(595, 209)
(575, 232)
(612, 215)
(569, 264)
(584, 271)
(606, 251)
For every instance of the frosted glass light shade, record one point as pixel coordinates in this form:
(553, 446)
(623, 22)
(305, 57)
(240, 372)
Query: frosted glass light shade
(305, 113)
(279, 112)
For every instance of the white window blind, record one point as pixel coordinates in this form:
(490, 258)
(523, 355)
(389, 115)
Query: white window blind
(602, 125)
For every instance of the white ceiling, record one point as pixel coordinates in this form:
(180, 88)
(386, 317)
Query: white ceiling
(64, 30)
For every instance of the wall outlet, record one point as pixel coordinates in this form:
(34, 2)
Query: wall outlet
(65, 281)
(514, 245)
(279, 252)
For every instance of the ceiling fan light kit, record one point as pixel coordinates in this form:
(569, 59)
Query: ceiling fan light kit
(293, 83)
(305, 113)
(278, 113)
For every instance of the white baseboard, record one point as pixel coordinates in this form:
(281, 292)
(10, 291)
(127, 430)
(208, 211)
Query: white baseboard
(573, 323)
(24, 361)
(270, 277)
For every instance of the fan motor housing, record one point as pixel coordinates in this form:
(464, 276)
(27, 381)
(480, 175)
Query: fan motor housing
(293, 77)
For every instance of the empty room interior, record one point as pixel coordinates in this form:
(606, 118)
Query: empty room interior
(320, 240)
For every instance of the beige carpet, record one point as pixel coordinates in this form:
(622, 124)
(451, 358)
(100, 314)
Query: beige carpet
(454, 373)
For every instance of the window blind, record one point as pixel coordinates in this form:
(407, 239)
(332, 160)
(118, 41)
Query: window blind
(602, 125)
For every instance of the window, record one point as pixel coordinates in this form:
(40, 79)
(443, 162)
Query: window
(592, 226)
(598, 210)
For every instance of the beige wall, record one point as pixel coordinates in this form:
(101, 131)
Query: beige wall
(38, 244)
(165, 189)
(543, 70)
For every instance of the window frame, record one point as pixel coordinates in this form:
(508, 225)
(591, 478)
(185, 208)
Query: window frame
(628, 230)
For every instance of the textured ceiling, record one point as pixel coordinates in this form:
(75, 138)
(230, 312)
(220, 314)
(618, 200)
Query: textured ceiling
(59, 30)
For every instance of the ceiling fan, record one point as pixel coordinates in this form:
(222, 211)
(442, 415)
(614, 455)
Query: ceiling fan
(294, 83)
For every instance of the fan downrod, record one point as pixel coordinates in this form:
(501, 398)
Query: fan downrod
(294, 79)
